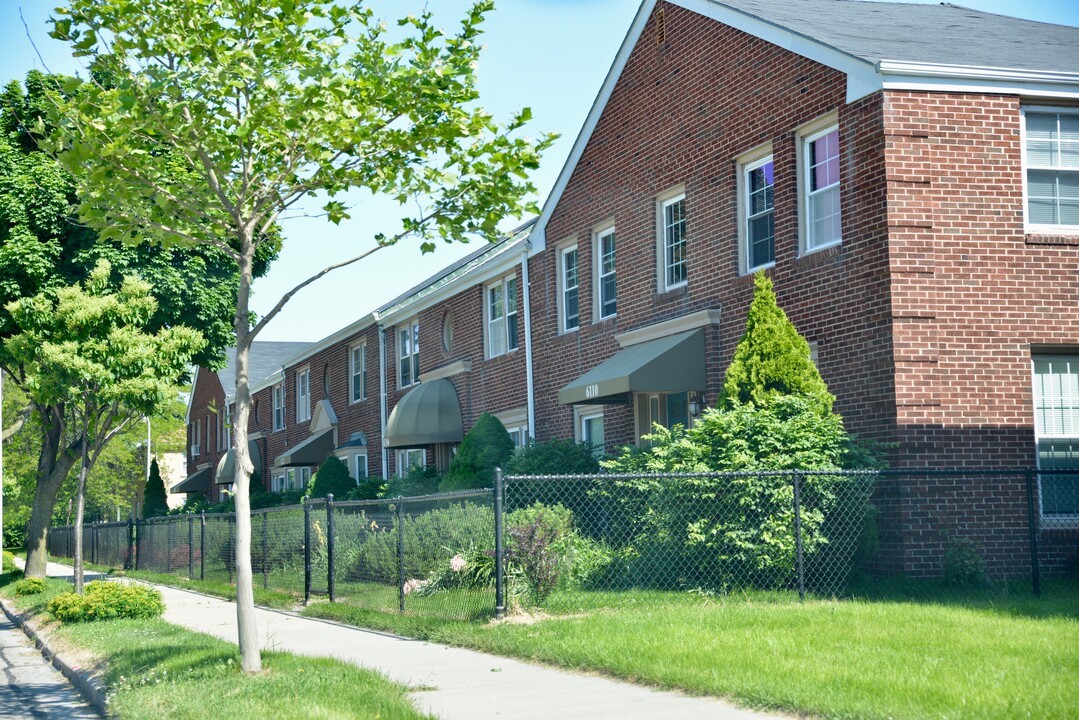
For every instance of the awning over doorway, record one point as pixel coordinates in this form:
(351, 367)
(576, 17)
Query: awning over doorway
(196, 482)
(311, 451)
(664, 365)
(226, 468)
(428, 413)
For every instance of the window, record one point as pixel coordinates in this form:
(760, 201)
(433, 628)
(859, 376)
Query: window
(1051, 154)
(410, 458)
(303, 395)
(672, 224)
(196, 438)
(758, 211)
(297, 478)
(519, 436)
(278, 483)
(607, 288)
(358, 372)
(359, 467)
(228, 426)
(279, 406)
(592, 432)
(820, 161)
(502, 316)
(664, 409)
(571, 310)
(408, 354)
(1056, 427)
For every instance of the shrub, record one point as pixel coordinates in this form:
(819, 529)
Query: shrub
(418, 481)
(471, 570)
(9, 562)
(553, 457)
(107, 601)
(486, 447)
(155, 502)
(530, 549)
(962, 565)
(30, 586)
(15, 522)
(332, 478)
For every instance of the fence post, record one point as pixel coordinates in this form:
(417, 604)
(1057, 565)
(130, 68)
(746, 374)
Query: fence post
(139, 524)
(265, 549)
(330, 535)
(191, 547)
(168, 546)
(500, 590)
(306, 551)
(1035, 575)
(232, 548)
(130, 543)
(400, 555)
(93, 544)
(202, 545)
(798, 535)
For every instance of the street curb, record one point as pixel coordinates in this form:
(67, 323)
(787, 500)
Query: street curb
(83, 681)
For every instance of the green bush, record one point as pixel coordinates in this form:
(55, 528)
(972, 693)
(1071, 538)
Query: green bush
(15, 523)
(155, 502)
(107, 601)
(30, 586)
(332, 478)
(962, 565)
(418, 481)
(486, 447)
(9, 562)
(552, 457)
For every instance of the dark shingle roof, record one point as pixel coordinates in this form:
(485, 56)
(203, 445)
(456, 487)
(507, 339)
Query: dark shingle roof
(943, 34)
(266, 358)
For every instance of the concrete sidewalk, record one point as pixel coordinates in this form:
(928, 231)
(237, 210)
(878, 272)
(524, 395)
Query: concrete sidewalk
(455, 683)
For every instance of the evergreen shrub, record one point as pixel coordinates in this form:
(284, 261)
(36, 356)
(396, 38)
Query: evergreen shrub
(486, 446)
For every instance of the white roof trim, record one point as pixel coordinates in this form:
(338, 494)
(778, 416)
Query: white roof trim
(907, 75)
(270, 380)
(191, 396)
(318, 346)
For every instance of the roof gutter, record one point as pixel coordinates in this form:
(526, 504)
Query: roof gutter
(911, 75)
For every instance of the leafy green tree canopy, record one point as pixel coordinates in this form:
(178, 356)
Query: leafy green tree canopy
(485, 447)
(155, 502)
(772, 359)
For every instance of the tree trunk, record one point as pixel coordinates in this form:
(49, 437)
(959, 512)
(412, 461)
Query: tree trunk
(52, 468)
(80, 506)
(250, 657)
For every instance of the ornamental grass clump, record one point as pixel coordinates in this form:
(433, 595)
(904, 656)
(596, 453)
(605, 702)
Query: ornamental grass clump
(107, 601)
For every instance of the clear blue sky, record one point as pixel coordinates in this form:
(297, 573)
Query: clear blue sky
(551, 55)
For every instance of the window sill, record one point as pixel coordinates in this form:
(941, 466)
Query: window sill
(674, 292)
(754, 270)
(1051, 238)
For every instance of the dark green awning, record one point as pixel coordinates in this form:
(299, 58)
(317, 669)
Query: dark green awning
(428, 413)
(665, 365)
(226, 468)
(311, 451)
(196, 482)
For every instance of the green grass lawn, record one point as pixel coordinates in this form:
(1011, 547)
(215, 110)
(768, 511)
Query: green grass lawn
(156, 670)
(973, 656)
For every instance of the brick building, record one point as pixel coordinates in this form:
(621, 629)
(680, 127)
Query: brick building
(907, 174)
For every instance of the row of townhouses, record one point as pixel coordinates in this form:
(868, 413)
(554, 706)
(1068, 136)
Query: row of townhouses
(907, 174)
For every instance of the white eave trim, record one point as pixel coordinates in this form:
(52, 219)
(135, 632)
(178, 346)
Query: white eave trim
(909, 75)
(191, 396)
(345, 333)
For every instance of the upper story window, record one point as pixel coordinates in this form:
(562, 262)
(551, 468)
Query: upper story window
(358, 372)
(1056, 426)
(408, 354)
(303, 395)
(820, 187)
(196, 438)
(672, 241)
(1051, 154)
(228, 426)
(606, 286)
(502, 316)
(279, 406)
(758, 212)
(567, 276)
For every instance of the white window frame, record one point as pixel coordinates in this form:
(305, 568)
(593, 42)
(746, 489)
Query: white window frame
(196, 438)
(604, 273)
(303, 394)
(662, 203)
(403, 460)
(1066, 434)
(808, 135)
(228, 426)
(1043, 228)
(564, 289)
(519, 435)
(498, 326)
(357, 351)
(746, 165)
(297, 478)
(357, 460)
(278, 394)
(583, 418)
(412, 328)
(278, 483)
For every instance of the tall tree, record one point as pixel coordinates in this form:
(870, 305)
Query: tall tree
(268, 104)
(43, 245)
(155, 502)
(86, 348)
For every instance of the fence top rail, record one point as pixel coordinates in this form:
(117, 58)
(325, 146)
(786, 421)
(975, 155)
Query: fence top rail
(409, 499)
(885, 472)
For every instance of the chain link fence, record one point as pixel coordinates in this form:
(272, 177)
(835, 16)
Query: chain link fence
(571, 542)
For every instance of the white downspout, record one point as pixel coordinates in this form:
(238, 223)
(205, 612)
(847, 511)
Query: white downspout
(528, 342)
(382, 393)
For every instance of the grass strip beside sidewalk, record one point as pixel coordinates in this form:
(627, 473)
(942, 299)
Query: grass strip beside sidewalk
(153, 669)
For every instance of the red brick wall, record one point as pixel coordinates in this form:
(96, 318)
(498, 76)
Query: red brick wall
(679, 115)
(207, 400)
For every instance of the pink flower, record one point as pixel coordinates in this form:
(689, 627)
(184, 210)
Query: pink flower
(414, 584)
(458, 563)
